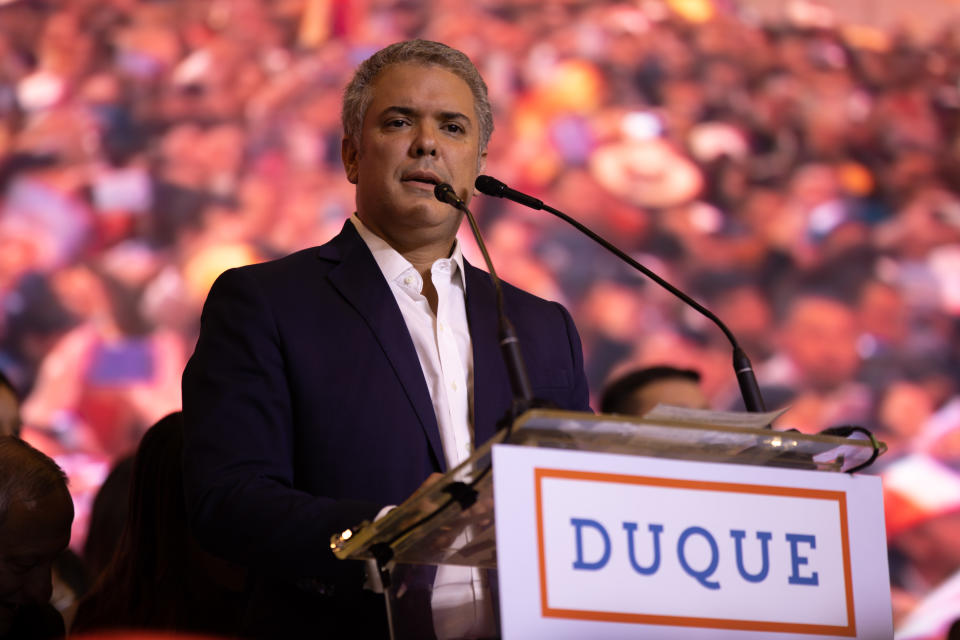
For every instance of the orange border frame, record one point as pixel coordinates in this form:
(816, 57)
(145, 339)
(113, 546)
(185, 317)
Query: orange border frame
(680, 621)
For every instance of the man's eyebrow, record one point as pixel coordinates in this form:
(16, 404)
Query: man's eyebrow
(404, 111)
(454, 115)
(410, 111)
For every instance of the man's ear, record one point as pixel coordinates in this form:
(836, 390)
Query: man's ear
(481, 165)
(350, 156)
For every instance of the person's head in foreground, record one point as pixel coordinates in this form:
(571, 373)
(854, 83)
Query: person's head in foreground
(36, 513)
(640, 390)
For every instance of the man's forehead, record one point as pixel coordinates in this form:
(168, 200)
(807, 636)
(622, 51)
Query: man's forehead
(383, 81)
(415, 66)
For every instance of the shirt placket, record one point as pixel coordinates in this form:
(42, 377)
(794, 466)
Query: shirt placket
(452, 369)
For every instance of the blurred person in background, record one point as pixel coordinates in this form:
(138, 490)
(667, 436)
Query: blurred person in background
(106, 379)
(114, 374)
(922, 528)
(513, 244)
(35, 319)
(884, 328)
(44, 206)
(611, 316)
(108, 516)
(902, 408)
(737, 298)
(158, 578)
(817, 358)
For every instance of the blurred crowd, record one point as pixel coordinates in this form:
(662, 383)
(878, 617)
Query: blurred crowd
(799, 178)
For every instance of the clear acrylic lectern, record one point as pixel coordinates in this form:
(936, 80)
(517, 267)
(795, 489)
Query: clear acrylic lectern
(433, 528)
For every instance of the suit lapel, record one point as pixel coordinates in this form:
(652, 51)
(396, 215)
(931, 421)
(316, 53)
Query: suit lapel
(360, 282)
(491, 392)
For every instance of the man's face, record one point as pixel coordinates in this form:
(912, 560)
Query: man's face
(31, 537)
(9, 412)
(419, 129)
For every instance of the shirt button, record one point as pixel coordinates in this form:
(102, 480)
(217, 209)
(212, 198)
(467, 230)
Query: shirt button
(408, 280)
(453, 385)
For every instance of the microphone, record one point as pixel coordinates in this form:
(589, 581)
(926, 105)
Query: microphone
(493, 187)
(509, 344)
(445, 193)
(746, 379)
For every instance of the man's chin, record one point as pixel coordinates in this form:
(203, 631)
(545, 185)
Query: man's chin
(431, 214)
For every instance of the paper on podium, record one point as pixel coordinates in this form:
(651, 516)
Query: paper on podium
(668, 414)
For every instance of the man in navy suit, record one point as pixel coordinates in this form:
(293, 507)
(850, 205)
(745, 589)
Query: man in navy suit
(332, 383)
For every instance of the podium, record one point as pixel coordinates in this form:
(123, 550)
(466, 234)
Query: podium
(683, 524)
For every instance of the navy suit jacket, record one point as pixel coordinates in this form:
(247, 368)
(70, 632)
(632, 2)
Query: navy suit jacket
(306, 410)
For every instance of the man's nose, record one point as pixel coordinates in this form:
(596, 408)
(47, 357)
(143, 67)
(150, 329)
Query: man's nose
(424, 142)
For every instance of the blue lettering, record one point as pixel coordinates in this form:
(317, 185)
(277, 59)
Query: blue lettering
(699, 576)
(579, 563)
(797, 560)
(655, 529)
(764, 538)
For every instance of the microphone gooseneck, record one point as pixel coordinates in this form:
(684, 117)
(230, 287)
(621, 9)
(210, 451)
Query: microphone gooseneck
(461, 493)
(746, 379)
(509, 345)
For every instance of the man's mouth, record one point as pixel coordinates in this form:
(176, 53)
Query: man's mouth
(425, 178)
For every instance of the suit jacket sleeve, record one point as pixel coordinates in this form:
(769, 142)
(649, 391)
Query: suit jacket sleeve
(239, 446)
(579, 399)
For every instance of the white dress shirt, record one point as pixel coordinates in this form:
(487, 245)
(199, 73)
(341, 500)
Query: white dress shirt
(442, 341)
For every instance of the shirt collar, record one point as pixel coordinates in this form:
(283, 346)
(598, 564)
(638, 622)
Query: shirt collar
(391, 263)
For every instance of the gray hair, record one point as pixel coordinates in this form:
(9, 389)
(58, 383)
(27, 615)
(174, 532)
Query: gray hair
(26, 474)
(358, 94)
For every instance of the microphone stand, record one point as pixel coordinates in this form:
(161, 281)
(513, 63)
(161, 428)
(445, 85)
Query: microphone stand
(509, 345)
(746, 379)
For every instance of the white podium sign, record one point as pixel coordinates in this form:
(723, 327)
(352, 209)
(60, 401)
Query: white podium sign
(605, 546)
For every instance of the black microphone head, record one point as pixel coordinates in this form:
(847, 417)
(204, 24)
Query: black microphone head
(493, 187)
(490, 186)
(445, 193)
